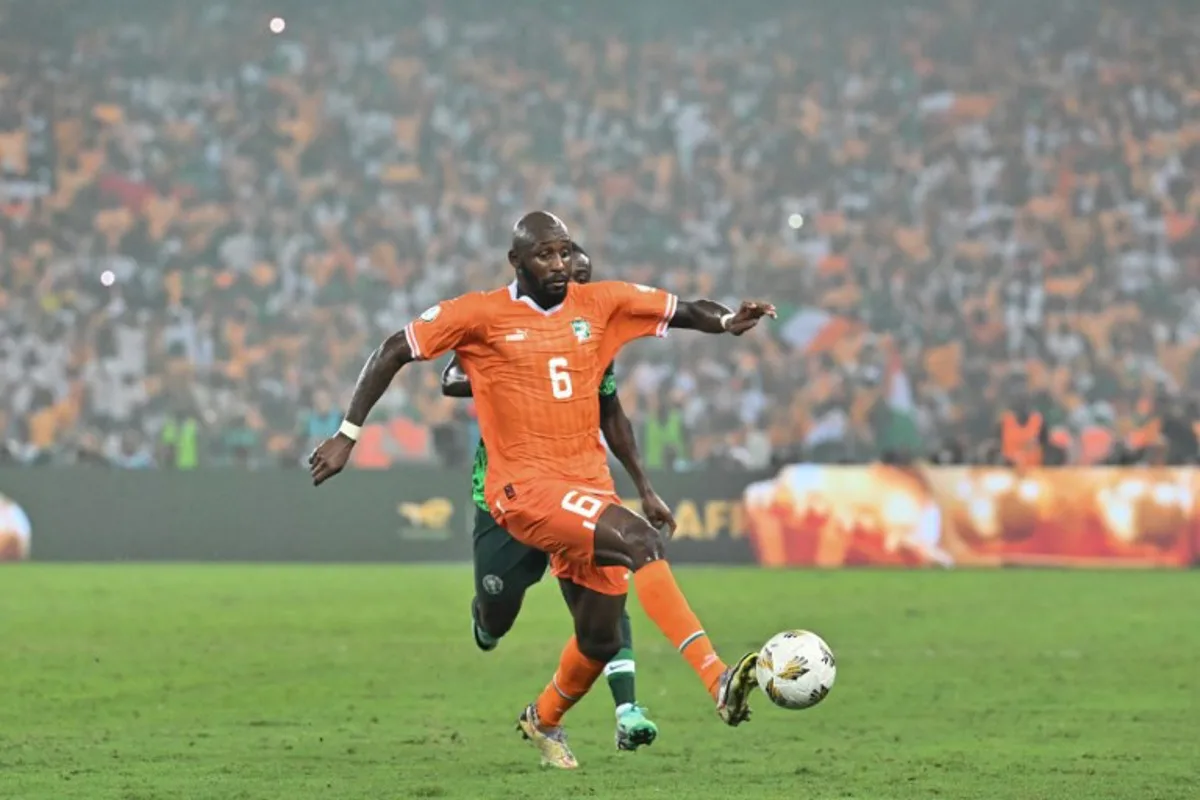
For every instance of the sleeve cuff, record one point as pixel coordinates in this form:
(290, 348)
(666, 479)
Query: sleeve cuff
(410, 336)
(664, 326)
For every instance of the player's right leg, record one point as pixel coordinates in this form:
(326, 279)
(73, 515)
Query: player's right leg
(596, 542)
(624, 539)
(597, 639)
(504, 570)
(634, 727)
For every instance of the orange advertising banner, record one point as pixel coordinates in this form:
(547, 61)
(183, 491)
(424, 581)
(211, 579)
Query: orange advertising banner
(921, 516)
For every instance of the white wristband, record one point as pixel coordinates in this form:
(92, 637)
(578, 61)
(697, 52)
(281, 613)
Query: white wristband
(350, 430)
(725, 319)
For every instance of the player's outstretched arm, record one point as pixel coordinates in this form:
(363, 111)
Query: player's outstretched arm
(332, 455)
(439, 330)
(377, 375)
(618, 432)
(709, 316)
(455, 382)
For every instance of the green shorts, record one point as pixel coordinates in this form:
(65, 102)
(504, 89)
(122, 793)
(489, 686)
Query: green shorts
(504, 568)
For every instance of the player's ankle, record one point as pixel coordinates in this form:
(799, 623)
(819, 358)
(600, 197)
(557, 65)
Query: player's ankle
(485, 637)
(625, 708)
(542, 725)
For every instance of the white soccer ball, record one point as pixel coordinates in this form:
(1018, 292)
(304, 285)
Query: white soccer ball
(796, 669)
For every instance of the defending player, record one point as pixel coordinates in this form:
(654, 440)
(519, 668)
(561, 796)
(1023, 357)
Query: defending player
(535, 353)
(505, 569)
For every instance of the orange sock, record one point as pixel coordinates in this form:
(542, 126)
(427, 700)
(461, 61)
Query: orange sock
(576, 674)
(664, 603)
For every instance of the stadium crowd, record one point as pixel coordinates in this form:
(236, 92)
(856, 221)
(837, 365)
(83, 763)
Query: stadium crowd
(979, 222)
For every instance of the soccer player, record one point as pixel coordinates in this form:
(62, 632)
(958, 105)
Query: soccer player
(505, 569)
(535, 353)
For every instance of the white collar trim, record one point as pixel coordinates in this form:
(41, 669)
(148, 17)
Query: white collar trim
(529, 301)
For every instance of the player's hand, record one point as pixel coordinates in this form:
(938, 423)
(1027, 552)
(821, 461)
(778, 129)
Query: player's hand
(748, 315)
(330, 458)
(658, 513)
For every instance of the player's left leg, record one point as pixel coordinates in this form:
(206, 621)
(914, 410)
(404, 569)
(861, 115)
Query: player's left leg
(504, 570)
(622, 538)
(634, 727)
(597, 639)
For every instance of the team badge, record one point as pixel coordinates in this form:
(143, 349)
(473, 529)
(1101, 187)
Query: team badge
(430, 314)
(493, 584)
(581, 329)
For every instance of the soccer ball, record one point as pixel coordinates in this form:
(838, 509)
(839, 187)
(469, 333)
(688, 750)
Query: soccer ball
(796, 669)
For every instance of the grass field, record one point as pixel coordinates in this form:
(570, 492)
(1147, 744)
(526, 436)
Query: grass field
(140, 682)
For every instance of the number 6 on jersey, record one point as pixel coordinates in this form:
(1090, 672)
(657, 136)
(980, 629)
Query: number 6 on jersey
(584, 505)
(560, 379)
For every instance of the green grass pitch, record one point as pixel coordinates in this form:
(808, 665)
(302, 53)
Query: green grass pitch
(227, 682)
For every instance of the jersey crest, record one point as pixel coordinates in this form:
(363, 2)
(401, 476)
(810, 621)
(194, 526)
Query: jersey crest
(582, 329)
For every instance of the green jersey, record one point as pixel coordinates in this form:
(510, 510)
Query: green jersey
(608, 388)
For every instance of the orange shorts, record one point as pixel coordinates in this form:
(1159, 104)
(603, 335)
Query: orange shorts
(559, 518)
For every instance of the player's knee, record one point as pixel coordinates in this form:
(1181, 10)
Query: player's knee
(598, 645)
(625, 539)
(645, 543)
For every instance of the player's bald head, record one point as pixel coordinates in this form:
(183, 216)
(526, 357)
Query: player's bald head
(538, 227)
(541, 257)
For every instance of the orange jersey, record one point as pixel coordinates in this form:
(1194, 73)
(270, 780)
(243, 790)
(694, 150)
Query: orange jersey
(535, 373)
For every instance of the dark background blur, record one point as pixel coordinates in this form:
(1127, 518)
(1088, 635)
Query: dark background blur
(978, 220)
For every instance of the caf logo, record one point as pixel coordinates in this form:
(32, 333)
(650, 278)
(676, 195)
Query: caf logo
(425, 521)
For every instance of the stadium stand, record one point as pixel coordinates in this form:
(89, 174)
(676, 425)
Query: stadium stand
(979, 221)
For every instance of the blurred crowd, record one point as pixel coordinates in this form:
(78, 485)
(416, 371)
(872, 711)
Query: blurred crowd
(979, 221)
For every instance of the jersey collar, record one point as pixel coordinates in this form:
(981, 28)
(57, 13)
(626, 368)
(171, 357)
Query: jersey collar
(529, 301)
